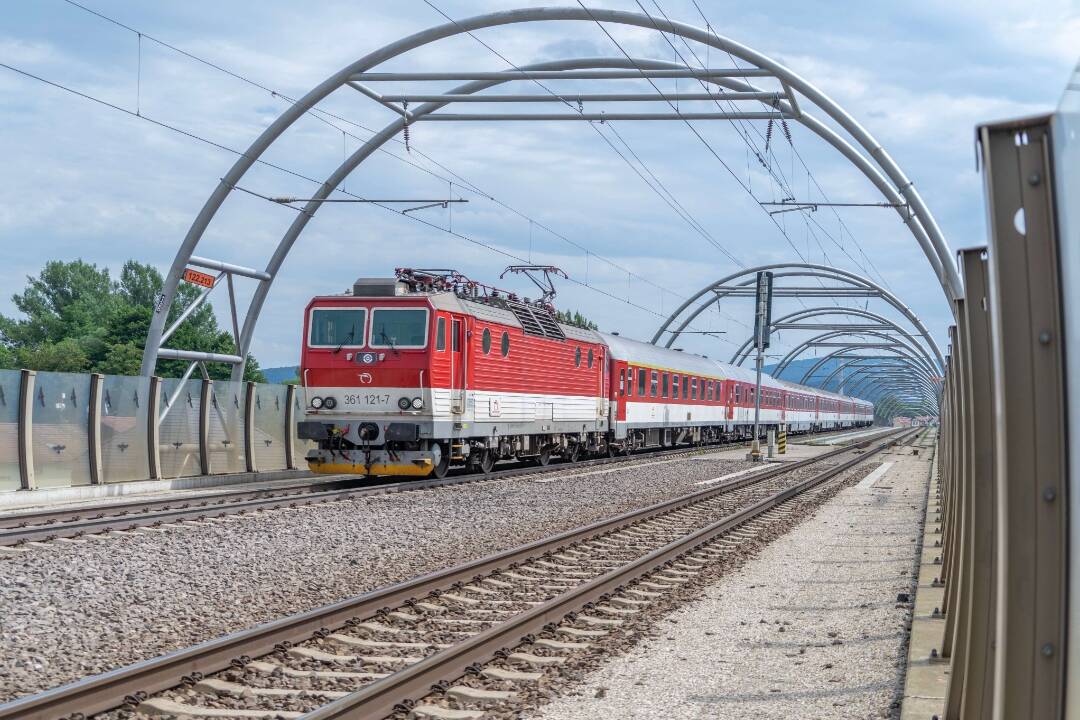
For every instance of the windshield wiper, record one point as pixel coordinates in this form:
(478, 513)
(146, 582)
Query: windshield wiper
(352, 333)
(388, 341)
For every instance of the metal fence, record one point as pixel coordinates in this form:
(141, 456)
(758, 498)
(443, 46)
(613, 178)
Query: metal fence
(71, 429)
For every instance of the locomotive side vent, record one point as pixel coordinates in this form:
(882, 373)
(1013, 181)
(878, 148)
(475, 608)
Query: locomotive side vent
(535, 321)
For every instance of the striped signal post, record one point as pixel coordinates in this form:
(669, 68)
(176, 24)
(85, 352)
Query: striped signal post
(781, 440)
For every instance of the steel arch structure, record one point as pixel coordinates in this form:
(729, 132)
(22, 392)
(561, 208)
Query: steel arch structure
(872, 159)
(721, 289)
(791, 322)
(823, 340)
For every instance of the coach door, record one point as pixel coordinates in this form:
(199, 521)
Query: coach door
(457, 364)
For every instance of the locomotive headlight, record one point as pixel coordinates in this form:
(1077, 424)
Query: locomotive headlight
(403, 403)
(417, 403)
(329, 403)
(316, 403)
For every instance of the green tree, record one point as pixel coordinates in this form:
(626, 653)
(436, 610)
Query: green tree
(78, 319)
(576, 319)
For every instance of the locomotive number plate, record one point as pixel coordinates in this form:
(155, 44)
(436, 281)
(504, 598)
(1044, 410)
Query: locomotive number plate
(362, 401)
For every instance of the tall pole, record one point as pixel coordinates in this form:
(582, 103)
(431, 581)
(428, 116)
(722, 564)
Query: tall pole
(755, 449)
(762, 322)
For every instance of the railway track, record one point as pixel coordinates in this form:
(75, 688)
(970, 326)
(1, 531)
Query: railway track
(373, 655)
(17, 529)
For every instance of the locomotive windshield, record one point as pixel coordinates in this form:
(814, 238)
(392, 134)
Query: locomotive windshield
(335, 327)
(398, 328)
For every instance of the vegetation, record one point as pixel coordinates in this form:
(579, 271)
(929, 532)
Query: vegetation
(78, 319)
(576, 319)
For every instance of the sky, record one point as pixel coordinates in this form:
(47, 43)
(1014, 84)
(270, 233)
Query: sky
(639, 214)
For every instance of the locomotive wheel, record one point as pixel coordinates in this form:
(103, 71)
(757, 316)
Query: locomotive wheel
(487, 462)
(443, 467)
(574, 453)
(544, 458)
(612, 451)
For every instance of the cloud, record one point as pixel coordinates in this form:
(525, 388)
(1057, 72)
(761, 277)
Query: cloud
(108, 187)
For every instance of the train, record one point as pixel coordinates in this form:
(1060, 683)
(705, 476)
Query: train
(427, 370)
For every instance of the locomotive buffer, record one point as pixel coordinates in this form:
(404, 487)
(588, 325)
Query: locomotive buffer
(762, 323)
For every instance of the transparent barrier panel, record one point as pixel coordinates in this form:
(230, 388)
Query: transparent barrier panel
(269, 434)
(300, 447)
(60, 417)
(179, 429)
(226, 434)
(124, 441)
(10, 381)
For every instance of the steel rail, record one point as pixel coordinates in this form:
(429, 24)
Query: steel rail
(384, 697)
(130, 684)
(46, 525)
(71, 522)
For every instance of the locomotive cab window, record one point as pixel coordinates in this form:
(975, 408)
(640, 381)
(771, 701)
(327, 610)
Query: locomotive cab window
(337, 327)
(399, 328)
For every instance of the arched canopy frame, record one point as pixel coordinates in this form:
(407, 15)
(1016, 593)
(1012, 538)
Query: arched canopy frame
(826, 339)
(744, 278)
(913, 209)
(793, 321)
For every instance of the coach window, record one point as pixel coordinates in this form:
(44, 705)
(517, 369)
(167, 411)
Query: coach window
(486, 341)
(590, 357)
(440, 334)
(664, 385)
(622, 382)
(577, 357)
(504, 344)
(641, 379)
(675, 386)
(655, 380)
(693, 388)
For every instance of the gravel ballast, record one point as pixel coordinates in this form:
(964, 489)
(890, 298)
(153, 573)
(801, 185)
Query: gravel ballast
(73, 609)
(810, 627)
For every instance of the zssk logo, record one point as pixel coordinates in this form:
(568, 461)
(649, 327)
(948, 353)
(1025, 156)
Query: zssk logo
(365, 377)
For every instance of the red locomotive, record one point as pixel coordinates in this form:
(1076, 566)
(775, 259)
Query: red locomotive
(416, 374)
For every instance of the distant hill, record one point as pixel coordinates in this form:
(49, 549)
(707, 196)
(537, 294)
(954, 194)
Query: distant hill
(280, 374)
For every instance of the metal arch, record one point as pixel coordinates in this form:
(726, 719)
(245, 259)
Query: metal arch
(897, 364)
(826, 272)
(376, 141)
(840, 353)
(858, 362)
(885, 361)
(930, 239)
(823, 337)
(895, 382)
(808, 313)
(868, 376)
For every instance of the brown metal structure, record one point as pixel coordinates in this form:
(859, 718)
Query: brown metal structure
(1003, 457)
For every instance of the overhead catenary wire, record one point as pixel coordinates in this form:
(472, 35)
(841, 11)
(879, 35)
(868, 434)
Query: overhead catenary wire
(194, 136)
(322, 115)
(811, 177)
(697, 226)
